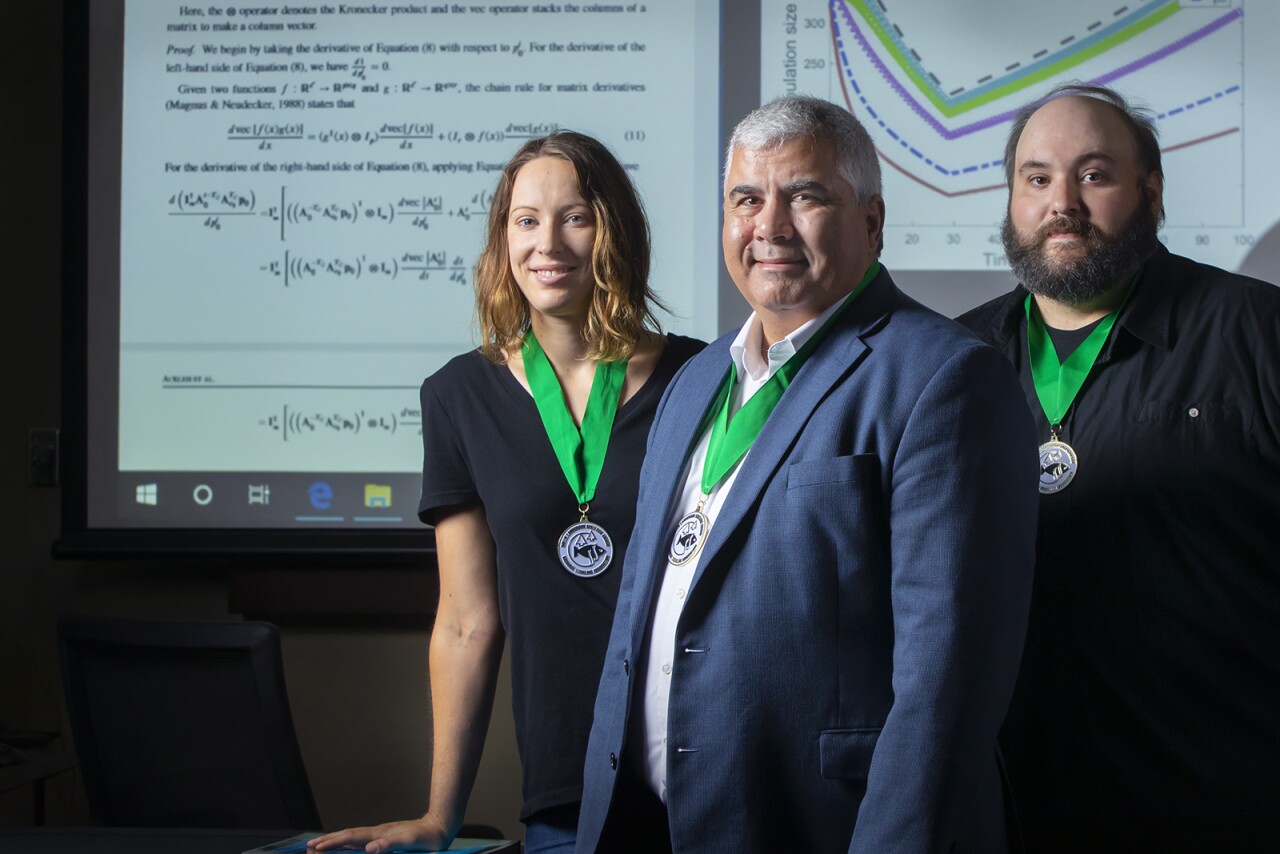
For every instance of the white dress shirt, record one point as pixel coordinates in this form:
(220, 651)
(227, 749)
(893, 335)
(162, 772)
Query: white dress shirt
(649, 725)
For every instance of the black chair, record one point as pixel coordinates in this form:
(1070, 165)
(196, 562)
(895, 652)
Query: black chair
(184, 725)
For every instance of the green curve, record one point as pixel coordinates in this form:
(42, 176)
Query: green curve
(1052, 70)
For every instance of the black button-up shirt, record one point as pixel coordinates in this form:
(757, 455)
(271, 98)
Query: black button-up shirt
(1147, 714)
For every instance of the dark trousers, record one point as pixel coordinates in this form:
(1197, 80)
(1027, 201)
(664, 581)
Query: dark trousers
(637, 821)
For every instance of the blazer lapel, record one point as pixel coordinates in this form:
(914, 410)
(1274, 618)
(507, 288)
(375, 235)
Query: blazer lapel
(674, 439)
(835, 358)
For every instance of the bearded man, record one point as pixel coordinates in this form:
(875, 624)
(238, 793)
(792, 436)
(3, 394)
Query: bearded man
(1147, 711)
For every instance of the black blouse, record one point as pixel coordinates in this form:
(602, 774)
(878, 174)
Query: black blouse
(483, 442)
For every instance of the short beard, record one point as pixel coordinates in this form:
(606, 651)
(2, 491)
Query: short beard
(1105, 260)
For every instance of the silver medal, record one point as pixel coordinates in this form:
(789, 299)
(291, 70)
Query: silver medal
(585, 549)
(1058, 466)
(690, 534)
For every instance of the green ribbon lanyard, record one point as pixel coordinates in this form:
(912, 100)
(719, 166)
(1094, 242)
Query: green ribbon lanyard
(581, 452)
(730, 440)
(1058, 383)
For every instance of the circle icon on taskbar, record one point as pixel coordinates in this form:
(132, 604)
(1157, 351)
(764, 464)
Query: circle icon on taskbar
(202, 494)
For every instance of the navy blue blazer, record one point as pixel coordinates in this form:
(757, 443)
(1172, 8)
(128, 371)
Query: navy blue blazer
(848, 647)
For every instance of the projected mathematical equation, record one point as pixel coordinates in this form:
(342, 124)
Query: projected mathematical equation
(293, 423)
(418, 265)
(405, 134)
(212, 206)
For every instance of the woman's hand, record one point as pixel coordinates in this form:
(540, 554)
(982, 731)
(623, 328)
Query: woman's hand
(422, 834)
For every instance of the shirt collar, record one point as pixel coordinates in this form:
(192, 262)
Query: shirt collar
(1148, 315)
(745, 349)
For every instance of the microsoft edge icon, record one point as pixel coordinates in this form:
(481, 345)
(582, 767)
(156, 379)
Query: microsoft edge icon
(321, 495)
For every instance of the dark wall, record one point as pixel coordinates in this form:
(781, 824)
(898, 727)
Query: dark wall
(359, 692)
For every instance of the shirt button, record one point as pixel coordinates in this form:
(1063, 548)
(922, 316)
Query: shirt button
(613, 761)
(626, 666)
(680, 594)
(666, 668)
(1193, 412)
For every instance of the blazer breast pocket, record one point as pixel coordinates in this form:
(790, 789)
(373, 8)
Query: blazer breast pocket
(845, 754)
(856, 467)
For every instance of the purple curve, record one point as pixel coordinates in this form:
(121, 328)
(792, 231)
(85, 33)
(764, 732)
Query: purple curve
(965, 130)
(1178, 45)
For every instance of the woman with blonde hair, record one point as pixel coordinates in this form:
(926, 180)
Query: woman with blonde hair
(532, 452)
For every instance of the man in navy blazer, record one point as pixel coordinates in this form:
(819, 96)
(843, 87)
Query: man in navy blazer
(824, 600)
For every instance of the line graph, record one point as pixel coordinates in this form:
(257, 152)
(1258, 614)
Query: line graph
(1019, 82)
(965, 131)
(1017, 75)
(937, 85)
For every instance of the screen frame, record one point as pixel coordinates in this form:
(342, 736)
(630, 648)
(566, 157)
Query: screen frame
(79, 539)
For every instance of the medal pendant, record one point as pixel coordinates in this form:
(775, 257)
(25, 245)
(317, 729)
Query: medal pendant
(585, 549)
(690, 534)
(1058, 466)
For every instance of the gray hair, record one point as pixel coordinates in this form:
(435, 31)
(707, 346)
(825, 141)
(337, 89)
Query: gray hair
(798, 116)
(1139, 120)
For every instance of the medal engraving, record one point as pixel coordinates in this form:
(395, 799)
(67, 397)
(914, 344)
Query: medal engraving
(1058, 466)
(690, 534)
(585, 549)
